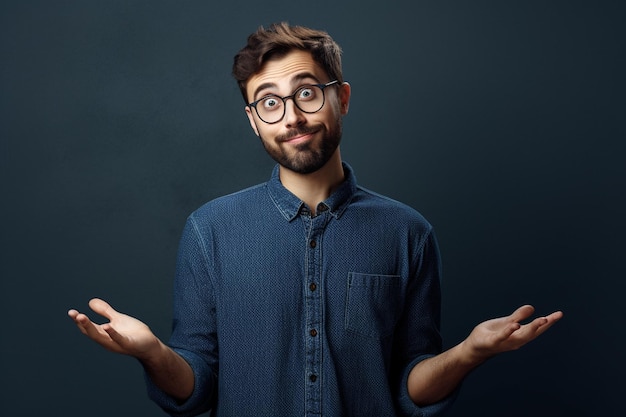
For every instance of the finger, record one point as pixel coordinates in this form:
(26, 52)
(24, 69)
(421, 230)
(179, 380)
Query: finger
(103, 308)
(94, 331)
(507, 331)
(537, 327)
(87, 326)
(114, 335)
(80, 320)
(547, 321)
(530, 330)
(554, 317)
(540, 325)
(522, 313)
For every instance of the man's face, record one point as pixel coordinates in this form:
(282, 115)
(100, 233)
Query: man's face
(301, 142)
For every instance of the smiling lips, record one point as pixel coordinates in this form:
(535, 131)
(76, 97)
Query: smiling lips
(299, 139)
(297, 136)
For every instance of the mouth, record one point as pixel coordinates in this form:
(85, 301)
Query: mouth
(297, 137)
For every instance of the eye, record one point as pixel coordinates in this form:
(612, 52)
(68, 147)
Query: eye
(306, 93)
(270, 103)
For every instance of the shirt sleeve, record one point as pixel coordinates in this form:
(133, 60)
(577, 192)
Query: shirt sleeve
(194, 331)
(418, 335)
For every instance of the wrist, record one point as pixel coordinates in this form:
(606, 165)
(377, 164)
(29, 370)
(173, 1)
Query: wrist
(154, 353)
(470, 356)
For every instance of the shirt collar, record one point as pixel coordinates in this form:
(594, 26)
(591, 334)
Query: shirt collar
(289, 205)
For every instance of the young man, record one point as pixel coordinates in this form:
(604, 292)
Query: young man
(306, 295)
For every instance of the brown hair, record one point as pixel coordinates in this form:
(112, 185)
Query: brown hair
(278, 40)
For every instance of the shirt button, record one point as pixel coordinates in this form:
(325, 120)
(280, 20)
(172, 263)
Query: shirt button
(313, 332)
(313, 286)
(313, 377)
(313, 243)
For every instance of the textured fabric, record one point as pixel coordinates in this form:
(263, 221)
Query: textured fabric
(283, 314)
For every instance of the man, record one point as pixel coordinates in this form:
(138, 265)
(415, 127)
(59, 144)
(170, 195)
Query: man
(305, 295)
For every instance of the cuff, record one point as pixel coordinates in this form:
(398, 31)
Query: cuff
(409, 408)
(203, 392)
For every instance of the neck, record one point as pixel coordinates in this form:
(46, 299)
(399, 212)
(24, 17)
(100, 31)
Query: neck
(317, 186)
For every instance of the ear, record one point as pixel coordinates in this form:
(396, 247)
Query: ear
(251, 120)
(344, 98)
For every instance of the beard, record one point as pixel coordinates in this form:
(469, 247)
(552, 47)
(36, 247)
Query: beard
(306, 157)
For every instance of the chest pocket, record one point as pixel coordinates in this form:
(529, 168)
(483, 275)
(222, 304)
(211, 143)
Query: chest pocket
(373, 304)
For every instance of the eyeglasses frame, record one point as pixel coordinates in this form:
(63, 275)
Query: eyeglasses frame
(292, 97)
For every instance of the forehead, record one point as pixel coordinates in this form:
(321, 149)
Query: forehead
(285, 73)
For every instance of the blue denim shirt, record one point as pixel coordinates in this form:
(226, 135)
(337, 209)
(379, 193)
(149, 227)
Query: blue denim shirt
(283, 314)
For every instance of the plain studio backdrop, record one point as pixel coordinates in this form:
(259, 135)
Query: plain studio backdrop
(502, 122)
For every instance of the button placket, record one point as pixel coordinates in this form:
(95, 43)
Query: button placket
(313, 305)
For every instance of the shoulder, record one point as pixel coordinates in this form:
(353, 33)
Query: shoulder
(231, 204)
(380, 205)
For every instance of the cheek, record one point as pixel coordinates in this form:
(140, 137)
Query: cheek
(266, 135)
(335, 109)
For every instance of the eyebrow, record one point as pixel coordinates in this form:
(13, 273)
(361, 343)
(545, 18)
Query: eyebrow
(297, 77)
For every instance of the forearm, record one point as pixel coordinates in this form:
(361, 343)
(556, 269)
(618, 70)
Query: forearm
(435, 378)
(170, 372)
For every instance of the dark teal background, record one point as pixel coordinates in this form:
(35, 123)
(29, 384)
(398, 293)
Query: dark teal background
(502, 122)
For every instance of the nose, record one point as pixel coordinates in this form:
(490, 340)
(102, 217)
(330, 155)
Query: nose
(293, 115)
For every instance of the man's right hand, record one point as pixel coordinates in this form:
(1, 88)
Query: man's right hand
(122, 334)
(129, 336)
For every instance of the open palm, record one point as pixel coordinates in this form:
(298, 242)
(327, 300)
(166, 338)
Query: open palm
(507, 333)
(122, 334)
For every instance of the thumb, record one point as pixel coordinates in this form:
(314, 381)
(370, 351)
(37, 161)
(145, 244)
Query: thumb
(103, 308)
(522, 313)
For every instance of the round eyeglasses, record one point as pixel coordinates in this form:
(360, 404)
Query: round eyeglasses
(309, 98)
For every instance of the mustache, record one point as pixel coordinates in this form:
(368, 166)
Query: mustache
(292, 133)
